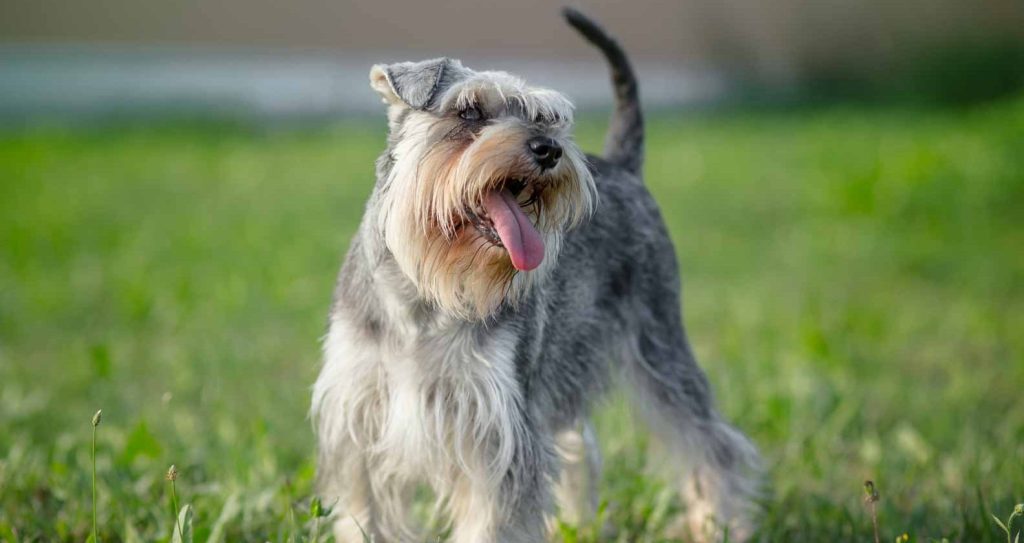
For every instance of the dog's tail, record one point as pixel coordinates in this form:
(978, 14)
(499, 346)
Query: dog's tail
(624, 144)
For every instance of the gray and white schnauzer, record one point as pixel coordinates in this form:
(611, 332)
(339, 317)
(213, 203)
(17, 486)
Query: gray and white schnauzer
(500, 281)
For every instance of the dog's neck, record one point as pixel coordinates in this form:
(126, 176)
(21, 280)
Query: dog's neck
(377, 291)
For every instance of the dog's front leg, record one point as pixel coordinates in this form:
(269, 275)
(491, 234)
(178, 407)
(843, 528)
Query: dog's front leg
(346, 395)
(514, 511)
(354, 515)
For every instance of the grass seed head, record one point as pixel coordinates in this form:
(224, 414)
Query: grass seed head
(871, 493)
(96, 418)
(172, 473)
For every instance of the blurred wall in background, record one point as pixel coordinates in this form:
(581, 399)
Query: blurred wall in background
(691, 50)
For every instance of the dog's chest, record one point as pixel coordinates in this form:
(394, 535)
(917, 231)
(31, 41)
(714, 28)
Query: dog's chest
(449, 401)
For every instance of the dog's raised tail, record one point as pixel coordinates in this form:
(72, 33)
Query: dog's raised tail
(624, 144)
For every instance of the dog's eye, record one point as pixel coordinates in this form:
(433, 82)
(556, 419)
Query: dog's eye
(471, 113)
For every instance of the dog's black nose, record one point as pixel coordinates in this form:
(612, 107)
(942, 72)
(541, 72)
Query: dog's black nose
(546, 151)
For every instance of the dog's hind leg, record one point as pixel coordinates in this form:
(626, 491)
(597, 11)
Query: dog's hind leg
(719, 464)
(576, 492)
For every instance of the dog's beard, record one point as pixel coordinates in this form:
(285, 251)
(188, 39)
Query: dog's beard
(435, 210)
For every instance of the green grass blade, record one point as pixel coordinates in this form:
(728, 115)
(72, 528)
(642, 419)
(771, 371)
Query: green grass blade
(227, 513)
(184, 533)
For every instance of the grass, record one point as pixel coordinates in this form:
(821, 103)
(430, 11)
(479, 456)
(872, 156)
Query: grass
(94, 537)
(854, 284)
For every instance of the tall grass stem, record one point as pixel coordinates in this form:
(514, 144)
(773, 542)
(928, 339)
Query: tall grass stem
(95, 424)
(172, 476)
(871, 497)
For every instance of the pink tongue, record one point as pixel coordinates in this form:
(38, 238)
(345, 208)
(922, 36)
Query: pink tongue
(517, 233)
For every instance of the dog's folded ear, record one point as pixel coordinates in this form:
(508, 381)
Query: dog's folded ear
(414, 84)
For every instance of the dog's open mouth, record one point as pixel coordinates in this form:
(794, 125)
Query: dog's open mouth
(501, 220)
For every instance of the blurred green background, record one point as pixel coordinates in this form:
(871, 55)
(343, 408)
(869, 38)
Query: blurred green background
(844, 184)
(853, 282)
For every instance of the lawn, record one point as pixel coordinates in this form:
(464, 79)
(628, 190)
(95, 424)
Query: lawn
(854, 282)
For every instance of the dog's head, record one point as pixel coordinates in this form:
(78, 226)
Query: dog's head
(480, 181)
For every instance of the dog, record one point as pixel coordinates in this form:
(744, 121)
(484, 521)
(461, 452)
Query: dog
(500, 282)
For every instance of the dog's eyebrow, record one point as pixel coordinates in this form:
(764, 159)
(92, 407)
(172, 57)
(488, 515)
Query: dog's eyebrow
(450, 134)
